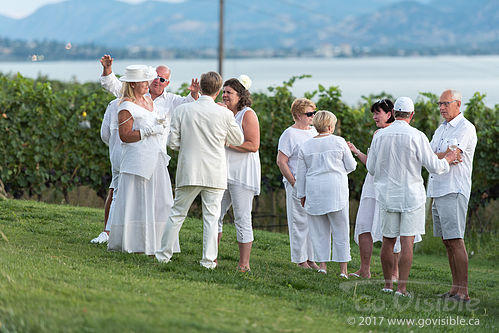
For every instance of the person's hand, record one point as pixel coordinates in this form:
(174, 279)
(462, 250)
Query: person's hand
(195, 87)
(154, 130)
(106, 61)
(451, 157)
(302, 200)
(352, 147)
(107, 64)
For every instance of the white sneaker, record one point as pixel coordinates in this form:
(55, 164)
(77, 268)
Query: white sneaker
(102, 238)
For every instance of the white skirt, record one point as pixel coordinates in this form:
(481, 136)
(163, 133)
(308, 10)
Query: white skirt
(141, 211)
(368, 221)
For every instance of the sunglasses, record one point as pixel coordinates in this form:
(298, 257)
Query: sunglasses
(162, 79)
(310, 114)
(446, 103)
(383, 100)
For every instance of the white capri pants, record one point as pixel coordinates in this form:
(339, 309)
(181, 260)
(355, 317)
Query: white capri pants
(299, 240)
(241, 200)
(321, 228)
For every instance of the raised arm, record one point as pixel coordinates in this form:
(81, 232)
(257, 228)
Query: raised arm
(108, 80)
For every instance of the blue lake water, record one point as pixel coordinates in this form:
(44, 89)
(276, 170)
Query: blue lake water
(399, 76)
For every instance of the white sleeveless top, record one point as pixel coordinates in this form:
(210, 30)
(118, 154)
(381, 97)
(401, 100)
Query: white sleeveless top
(140, 158)
(243, 168)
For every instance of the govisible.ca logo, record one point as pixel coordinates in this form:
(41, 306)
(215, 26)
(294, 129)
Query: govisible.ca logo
(369, 298)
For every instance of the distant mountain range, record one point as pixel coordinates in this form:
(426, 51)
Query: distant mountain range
(264, 24)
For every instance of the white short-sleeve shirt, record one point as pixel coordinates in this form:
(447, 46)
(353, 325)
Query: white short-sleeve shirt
(290, 142)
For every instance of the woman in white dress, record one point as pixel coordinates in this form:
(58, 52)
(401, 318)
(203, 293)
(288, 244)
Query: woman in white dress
(367, 224)
(322, 186)
(144, 195)
(303, 111)
(243, 177)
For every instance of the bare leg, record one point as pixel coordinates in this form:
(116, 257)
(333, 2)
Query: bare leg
(405, 262)
(395, 273)
(304, 265)
(107, 207)
(456, 251)
(450, 256)
(343, 268)
(244, 256)
(387, 260)
(312, 264)
(366, 250)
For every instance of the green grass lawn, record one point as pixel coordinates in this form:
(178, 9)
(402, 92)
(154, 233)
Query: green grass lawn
(53, 280)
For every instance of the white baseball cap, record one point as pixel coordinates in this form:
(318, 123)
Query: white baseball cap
(404, 104)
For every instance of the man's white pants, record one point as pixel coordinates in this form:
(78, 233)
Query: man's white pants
(241, 200)
(321, 228)
(184, 196)
(298, 226)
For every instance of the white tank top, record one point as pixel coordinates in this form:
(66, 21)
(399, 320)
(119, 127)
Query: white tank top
(243, 168)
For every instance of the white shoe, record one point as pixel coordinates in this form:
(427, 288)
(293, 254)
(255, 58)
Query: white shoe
(102, 238)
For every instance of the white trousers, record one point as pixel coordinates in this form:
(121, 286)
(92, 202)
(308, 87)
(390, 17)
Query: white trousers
(321, 228)
(184, 196)
(299, 240)
(241, 200)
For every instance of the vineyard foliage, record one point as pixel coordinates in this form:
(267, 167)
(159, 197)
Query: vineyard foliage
(50, 134)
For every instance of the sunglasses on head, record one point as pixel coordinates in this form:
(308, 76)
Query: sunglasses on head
(383, 100)
(162, 79)
(310, 114)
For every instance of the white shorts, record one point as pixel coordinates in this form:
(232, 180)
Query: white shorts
(368, 220)
(395, 224)
(449, 216)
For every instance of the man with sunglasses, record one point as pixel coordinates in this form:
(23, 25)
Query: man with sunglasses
(164, 103)
(451, 191)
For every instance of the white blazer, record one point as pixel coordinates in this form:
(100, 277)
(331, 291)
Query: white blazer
(200, 130)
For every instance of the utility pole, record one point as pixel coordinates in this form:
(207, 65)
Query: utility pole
(221, 39)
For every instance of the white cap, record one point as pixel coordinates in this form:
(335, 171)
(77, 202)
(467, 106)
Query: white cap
(404, 104)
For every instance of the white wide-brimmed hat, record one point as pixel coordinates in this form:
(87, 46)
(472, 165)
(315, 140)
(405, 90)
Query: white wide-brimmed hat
(138, 73)
(404, 104)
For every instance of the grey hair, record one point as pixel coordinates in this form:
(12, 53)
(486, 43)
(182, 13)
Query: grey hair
(456, 95)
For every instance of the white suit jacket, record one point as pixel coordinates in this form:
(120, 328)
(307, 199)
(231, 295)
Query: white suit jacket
(200, 130)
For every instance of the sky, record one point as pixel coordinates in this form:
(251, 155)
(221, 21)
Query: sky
(23, 8)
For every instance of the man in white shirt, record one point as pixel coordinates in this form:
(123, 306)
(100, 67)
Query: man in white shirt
(200, 131)
(395, 159)
(451, 191)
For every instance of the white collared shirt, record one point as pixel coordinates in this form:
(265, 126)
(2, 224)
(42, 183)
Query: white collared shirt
(323, 165)
(395, 159)
(458, 180)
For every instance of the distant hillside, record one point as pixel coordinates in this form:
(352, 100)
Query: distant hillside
(263, 24)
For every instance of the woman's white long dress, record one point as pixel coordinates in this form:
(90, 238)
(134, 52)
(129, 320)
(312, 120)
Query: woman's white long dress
(144, 196)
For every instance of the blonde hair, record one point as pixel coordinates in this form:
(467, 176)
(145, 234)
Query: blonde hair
(323, 119)
(299, 106)
(127, 92)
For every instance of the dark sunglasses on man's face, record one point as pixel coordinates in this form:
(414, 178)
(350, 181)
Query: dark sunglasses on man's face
(310, 114)
(161, 79)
